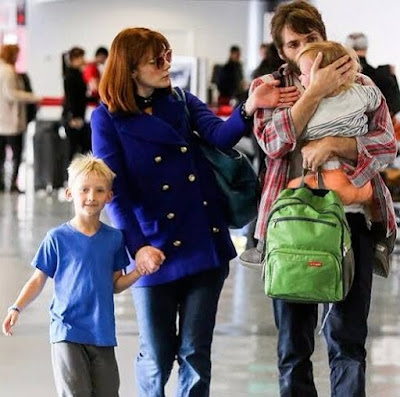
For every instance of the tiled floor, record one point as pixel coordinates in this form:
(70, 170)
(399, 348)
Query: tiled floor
(244, 354)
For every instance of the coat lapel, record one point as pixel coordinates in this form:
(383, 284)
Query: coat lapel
(166, 125)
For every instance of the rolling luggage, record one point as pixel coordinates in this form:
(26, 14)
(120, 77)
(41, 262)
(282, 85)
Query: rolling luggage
(51, 154)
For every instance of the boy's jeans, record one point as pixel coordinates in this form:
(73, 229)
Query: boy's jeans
(195, 299)
(345, 331)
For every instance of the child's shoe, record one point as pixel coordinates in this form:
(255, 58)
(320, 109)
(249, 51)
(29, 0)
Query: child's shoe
(253, 257)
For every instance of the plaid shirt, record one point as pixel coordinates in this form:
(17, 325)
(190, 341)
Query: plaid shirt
(275, 133)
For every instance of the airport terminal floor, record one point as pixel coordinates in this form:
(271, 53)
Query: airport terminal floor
(244, 352)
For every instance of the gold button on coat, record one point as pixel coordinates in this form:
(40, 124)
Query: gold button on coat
(215, 230)
(171, 215)
(192, 177)
(184, 149)
(165, 187)
(158, 159)
(177, 243)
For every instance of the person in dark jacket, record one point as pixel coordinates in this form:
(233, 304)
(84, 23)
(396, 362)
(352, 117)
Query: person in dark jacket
(270, 62)
(230, 81)
(383, 76)
(168, 204)
(75, 102)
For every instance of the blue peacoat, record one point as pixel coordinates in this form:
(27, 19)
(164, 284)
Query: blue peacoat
(165, 192)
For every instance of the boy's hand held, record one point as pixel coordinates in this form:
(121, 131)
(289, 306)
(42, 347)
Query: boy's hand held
(149, 259)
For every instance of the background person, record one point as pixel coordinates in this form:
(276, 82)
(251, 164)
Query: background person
(13, 116)
(383, 76)
(167, 203)
(75, 103)
(270, 62)
(230, 79)
(92, 72)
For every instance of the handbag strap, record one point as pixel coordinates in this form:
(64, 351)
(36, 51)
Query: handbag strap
(181, 96)
(321, 184)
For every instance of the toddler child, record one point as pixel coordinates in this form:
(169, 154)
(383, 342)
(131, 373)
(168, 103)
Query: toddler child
(341, 114)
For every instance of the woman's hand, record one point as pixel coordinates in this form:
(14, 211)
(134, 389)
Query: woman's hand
(269, 95)
(325, 81)
(149, 259)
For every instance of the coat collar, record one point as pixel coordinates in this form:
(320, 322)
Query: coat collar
(166, 125)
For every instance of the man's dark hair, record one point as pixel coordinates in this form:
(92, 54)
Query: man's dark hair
(300, 16)
(234, 48)
(76, 52)
(101, 51)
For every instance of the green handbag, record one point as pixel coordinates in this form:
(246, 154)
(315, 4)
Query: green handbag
(308, 247)
(235, 177)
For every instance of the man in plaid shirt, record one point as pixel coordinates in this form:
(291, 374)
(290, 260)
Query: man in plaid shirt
(278, 132)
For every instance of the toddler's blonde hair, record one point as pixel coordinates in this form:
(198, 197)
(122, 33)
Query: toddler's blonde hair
(88, 164)
(331, 51)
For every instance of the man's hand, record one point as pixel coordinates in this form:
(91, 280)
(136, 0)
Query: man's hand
(269, 95)
(149, 259)
(325, 81)
(317, 152)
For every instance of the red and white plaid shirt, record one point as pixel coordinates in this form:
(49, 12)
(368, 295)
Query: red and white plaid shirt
(276, 136)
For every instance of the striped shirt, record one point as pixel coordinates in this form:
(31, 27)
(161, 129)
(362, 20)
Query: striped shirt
(275, 133)
(343, 114)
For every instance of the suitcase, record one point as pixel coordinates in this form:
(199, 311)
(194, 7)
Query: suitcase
(50, 155)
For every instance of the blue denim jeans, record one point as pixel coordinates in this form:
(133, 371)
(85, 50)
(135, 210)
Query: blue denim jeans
(194, 299)
(345, 331)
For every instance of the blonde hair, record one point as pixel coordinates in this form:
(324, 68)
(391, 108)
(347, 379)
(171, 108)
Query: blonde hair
(88, 164)
(331, 52)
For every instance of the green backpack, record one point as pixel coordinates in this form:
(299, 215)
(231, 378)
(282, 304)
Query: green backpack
(308, 247)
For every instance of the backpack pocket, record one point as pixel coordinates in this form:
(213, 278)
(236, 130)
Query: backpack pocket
(303, 275)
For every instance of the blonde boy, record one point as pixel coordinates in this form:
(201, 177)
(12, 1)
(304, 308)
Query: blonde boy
(85, 258)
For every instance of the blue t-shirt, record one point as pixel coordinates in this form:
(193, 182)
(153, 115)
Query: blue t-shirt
(82, 309)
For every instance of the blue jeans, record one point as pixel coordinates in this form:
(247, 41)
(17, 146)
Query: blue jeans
(345, 331)
(195, 300)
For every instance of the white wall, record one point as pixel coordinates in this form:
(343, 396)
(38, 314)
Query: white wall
(204, 28)
(379, 20)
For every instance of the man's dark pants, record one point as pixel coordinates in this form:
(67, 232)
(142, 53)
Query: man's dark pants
(345, 330)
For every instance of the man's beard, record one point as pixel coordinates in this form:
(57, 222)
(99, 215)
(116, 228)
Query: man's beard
(292, 67)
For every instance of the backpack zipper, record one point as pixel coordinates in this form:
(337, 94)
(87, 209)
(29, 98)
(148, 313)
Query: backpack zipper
(299, 218)
(300, 201)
